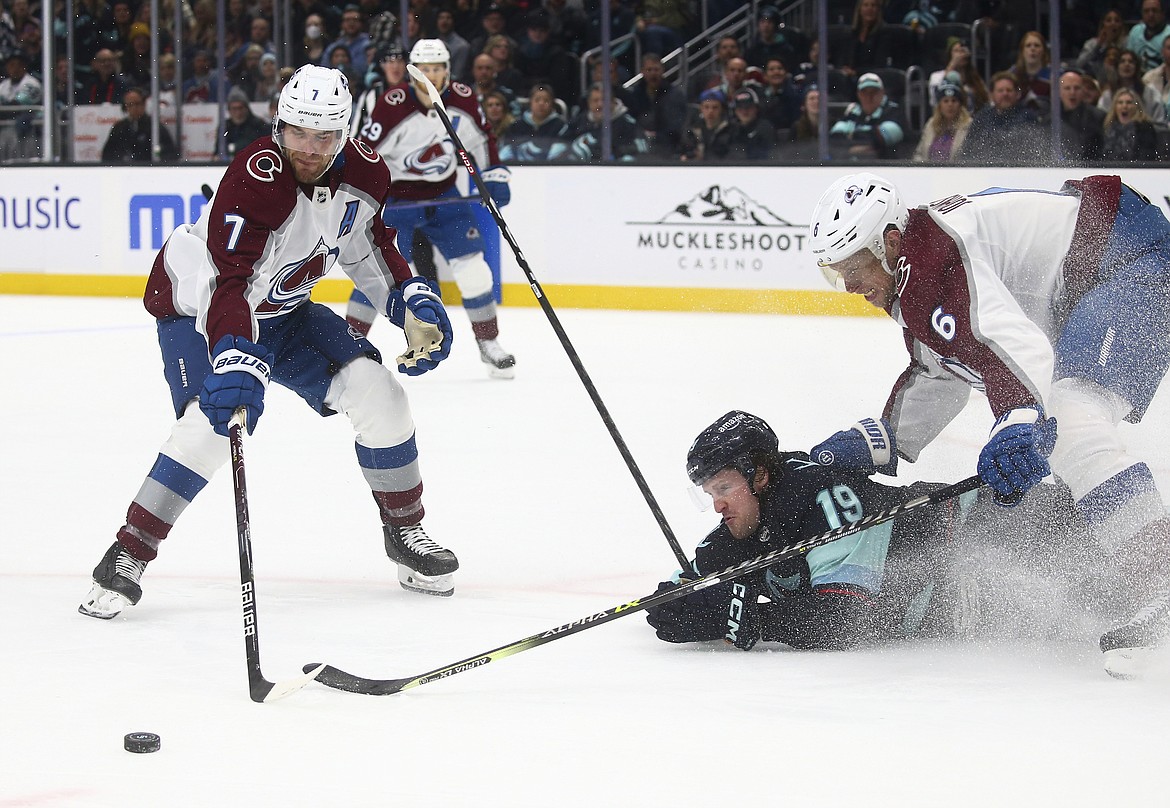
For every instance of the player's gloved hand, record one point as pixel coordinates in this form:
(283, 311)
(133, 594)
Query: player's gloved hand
(496, 178)
(418, 311)
(239, 376)
(724, 611)
(867, 446)
(1016, 456)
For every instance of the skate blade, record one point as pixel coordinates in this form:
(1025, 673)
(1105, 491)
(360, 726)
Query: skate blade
(1128, 663)
(501, 373)
(442, 586)
(102, 603)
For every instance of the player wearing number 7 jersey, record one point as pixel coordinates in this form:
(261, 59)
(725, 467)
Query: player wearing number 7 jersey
(1057, 306)
(230, 294)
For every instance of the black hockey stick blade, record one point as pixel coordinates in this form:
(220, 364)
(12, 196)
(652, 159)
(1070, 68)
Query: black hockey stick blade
(207, 192)
(341, 680)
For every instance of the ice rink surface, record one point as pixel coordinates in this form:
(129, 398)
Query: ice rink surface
(524, 483)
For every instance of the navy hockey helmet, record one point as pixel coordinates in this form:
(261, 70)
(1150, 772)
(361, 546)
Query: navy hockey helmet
(738, 440)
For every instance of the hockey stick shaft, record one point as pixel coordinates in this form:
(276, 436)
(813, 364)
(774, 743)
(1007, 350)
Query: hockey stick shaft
(340, 680)
(259, 688)
(554, 321)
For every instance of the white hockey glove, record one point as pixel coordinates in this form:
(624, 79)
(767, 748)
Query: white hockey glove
(419, 312)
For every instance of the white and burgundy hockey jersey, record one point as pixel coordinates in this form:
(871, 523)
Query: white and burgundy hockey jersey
(265, 240)
(985, 281)
(415, 145)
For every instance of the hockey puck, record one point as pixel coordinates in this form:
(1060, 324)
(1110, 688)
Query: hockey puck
(141, 742)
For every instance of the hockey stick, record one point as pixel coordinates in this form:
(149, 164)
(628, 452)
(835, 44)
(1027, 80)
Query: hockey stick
(426, 203)
(469, 164)
(340, 680)
(258, 687)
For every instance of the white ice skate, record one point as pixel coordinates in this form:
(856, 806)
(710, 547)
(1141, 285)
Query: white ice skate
(500, 363)
(115, 584)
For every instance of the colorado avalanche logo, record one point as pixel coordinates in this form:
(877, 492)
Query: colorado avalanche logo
(265, 165)
(395, 96)
(433, 160)
(293, 282)
(852, 194)
(460, 89)
(365, 151)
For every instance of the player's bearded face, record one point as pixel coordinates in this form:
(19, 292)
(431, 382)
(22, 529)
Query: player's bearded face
(862, 274)
(436, 72)
(735, 502)
(310, 150)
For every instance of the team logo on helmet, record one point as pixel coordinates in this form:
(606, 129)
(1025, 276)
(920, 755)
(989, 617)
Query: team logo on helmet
(852, 194)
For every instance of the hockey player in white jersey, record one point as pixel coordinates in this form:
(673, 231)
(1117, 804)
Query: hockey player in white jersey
(230, 294)
(408, 134)
(1057, 306)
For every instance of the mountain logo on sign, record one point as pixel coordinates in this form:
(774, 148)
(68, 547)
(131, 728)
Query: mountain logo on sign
(721, 206)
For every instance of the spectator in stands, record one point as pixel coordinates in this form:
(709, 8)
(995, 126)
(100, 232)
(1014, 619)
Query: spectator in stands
(726, 49)
(659, 26)
(238, 21)
(1109, 62)
(869, 47)
(201, 35)
(1082, 126)
(1111, 32)
(960, 70)
(311, 51)
(116, 28)
(1129, 77)
(269, 81)
(203, 86)
(492, 23)
(1033, 73)
(353, 39)
(497, 113)
(339, 59)
(943, 136)
(104, 85)
(752, 137)
(776, 41)
(1145, 39)
(19, 87)
(779, 97)
(242, 125)
(627, 138)
(130, 138)
(807, 126)
(135, 63)
(709, 138)
(259, 36)
(873, 126)
(540, 134)
(544, 61)
(499, 47)
(1129, 133)
(1003, 131)
(568, 25)
(64, 94)
(735, 76)
(483, 80)
(1090, 89)
(660, 109)
(616, 76)
(246, 74)
(457, 46)
(622, 20)
(1157, 81)
(167, 89)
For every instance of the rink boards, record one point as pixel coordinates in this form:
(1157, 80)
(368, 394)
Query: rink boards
(620, 237)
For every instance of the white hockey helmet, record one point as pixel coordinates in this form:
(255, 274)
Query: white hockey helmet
(852, 215)
(432, 52)
(315, 98)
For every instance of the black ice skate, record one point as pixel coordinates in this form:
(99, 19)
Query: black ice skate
(115, 584)
(1127, 647)
(423, 566)
(501, 364)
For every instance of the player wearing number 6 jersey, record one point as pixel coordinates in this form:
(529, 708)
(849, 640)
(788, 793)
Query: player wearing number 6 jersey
(408, 134)
(231, 297)
(1057, 306)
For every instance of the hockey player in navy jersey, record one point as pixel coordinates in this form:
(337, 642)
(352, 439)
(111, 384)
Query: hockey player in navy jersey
(882, 583)
(230, 294)
(1054, 304)
(408, 134)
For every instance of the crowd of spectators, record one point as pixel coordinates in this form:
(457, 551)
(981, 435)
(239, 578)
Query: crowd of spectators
(756, 100)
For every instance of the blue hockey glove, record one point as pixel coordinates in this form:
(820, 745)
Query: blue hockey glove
(496, 179)
(419, 312)
(868, 446)
(722, 612)
(239, 376)
(1015, 458)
